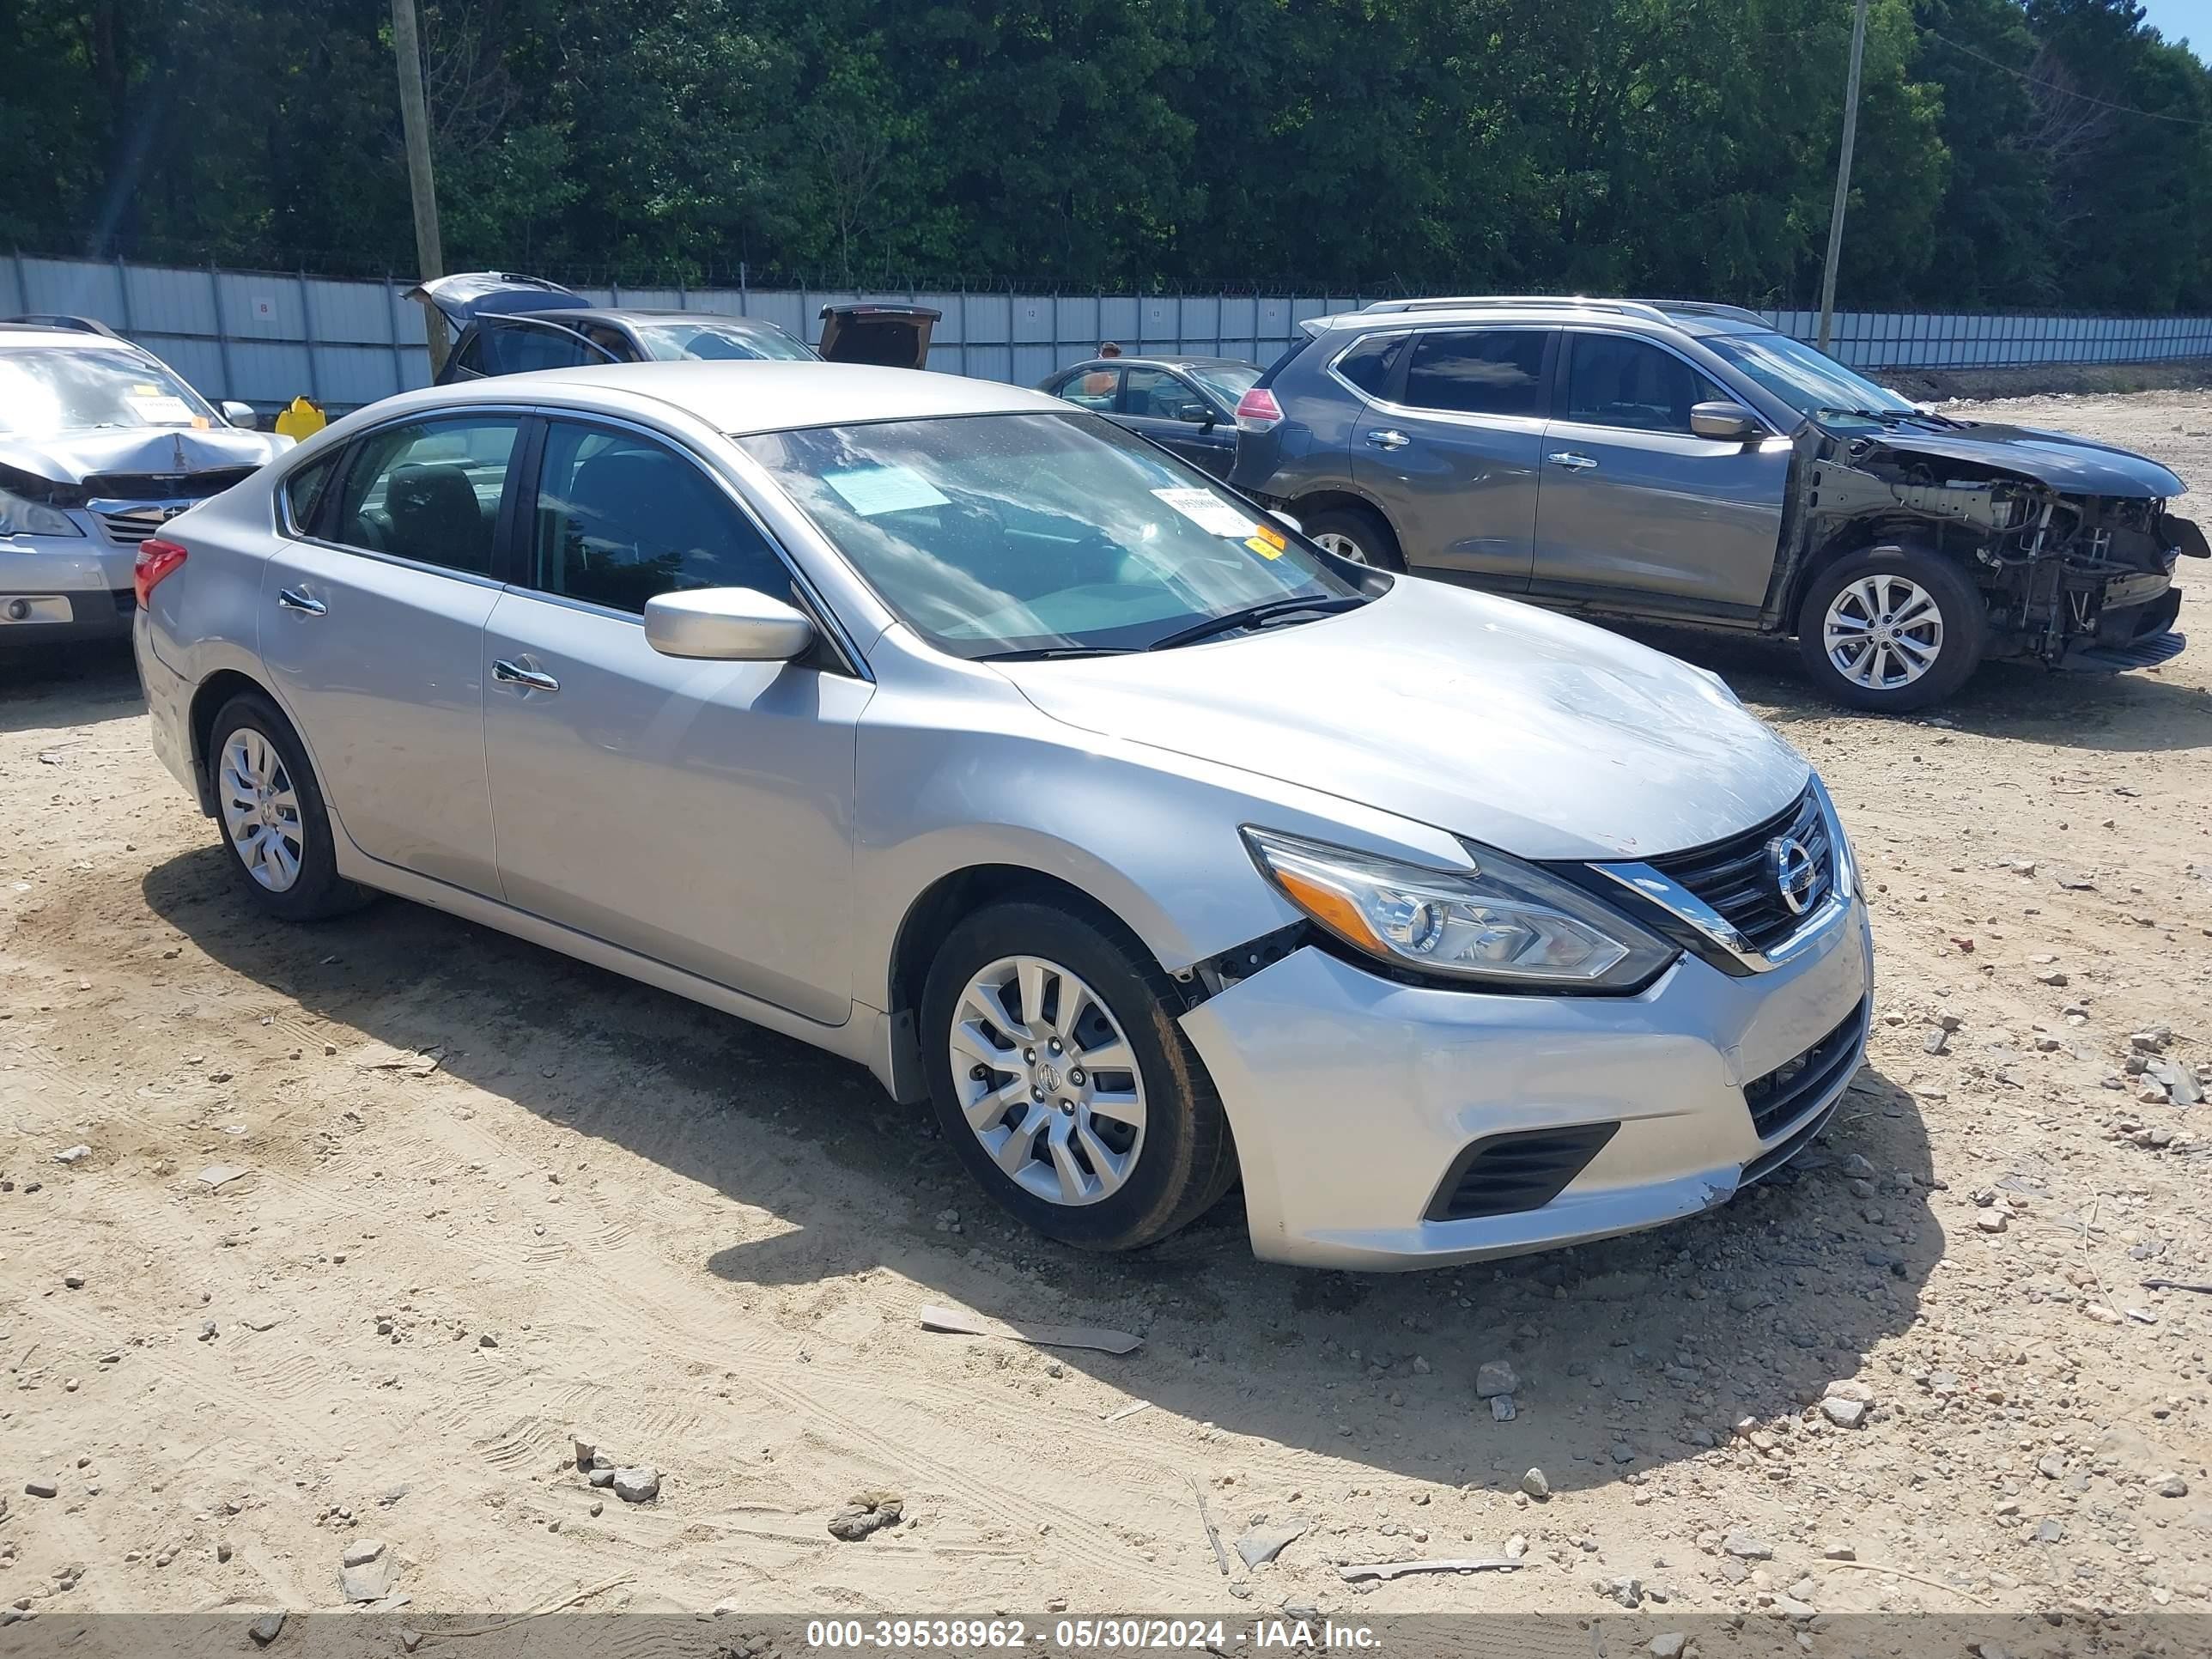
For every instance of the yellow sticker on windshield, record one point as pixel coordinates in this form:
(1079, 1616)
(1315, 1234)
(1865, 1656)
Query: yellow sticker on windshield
(1267, 546)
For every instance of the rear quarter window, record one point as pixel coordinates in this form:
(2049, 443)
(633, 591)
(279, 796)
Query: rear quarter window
(303, 490)
(1368, 365)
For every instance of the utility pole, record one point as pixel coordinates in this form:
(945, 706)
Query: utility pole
(1843, 174)
(415, 122)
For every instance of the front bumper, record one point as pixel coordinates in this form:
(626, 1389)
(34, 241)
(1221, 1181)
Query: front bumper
(1354, 1098)
(63, 587)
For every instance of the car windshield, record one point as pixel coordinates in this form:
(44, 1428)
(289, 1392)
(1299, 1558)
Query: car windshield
(670, 341)
(62, 389)
(1811, 382)
(999, 535)
(1227, 381)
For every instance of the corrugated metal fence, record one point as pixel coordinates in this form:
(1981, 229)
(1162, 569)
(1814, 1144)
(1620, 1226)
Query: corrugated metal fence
(266, 336)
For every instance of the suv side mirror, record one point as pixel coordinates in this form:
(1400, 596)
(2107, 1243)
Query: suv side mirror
(726, 624)
(1726, 422)
(240, 415)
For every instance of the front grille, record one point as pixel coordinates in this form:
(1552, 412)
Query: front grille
(1738, 877)
(127, 526)
(1508, 1174)
(1794, 1087)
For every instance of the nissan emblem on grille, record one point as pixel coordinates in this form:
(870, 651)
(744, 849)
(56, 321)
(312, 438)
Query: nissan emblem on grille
(1796, 875)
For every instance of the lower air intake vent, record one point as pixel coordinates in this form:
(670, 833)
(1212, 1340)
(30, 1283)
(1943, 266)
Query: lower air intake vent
(1508, 1174)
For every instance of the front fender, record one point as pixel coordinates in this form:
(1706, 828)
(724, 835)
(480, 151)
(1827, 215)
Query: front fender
(1151, 835)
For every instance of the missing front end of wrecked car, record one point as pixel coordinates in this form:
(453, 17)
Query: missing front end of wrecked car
(2075, 578)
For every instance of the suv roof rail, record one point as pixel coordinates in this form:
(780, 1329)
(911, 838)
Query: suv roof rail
(1641, 309)
(61, 320)
(1712, 308)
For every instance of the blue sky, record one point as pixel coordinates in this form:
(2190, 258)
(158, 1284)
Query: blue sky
(2182, 20)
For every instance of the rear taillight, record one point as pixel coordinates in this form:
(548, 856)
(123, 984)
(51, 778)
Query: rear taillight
(1257, 411)
(156, 559)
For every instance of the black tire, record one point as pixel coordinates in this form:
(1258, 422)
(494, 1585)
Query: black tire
(317, 890)
(1185, 1160)
(1963, 613)
(1366, 529)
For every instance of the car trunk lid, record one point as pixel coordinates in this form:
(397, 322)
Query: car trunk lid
(468, 294)
(887, 336)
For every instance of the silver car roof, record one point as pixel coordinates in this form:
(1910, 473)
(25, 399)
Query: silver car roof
(747, 396)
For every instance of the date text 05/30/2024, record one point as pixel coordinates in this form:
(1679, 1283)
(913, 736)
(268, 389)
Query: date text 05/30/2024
(1112, 1633)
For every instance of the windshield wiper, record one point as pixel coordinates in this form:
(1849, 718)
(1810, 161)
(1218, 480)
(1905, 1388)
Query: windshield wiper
(1892, 416)
(1053, 653)
(1254, 615)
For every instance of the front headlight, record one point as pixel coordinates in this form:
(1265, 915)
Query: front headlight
(1503, 921)
(19, 517)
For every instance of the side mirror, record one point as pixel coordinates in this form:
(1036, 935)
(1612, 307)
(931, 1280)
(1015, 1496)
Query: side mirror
(1198, 414)
(240, 414)
(1283, 518)
(1728, 423)
(726, 624)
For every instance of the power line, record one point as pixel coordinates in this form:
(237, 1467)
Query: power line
(2063, 91)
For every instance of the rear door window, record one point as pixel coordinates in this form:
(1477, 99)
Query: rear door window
(516, 348)
(1615, 381)
(1482, 371)
(1093, 389)
(428, 490)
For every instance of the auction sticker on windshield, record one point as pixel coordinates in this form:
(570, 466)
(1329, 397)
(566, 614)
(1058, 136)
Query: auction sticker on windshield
(872, 490)
(159, 409)
(1209, 512)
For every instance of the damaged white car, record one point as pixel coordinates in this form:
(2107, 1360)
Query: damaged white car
(101, 443)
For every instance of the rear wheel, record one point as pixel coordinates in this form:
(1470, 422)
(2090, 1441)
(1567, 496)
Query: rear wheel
(1063, 1083)
(1892, 628)
(272, 812)
(1357, 534)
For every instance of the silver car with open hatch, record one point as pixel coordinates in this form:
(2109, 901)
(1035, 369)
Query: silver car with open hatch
(967, 736)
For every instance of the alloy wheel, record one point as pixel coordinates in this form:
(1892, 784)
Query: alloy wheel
(1336, 542)
(1048, 1081)
(260, 810)
(1882, 631)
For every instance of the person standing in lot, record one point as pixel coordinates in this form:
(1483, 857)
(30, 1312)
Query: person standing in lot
(1099, 383)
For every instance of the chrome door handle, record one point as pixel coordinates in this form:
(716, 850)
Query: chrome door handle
(1569, 459)
(289, 600)
(1389, 438)
(509, 673)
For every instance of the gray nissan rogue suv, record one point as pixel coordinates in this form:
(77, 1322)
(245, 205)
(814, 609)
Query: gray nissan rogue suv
(1686, 463)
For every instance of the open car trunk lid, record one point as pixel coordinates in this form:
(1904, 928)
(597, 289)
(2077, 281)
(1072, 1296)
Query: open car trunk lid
(470, 293)
(887, 336)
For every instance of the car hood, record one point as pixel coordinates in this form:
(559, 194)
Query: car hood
(140, 452)
(1539, 735)
(2074, 466)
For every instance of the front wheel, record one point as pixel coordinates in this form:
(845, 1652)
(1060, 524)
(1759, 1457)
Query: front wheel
(1063, 1083)
(1892, 628)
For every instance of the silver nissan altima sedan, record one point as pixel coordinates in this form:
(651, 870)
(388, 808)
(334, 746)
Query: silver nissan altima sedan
(966, 735)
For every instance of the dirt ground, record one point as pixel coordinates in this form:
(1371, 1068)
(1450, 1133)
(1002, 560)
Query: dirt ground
(492, 1199)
